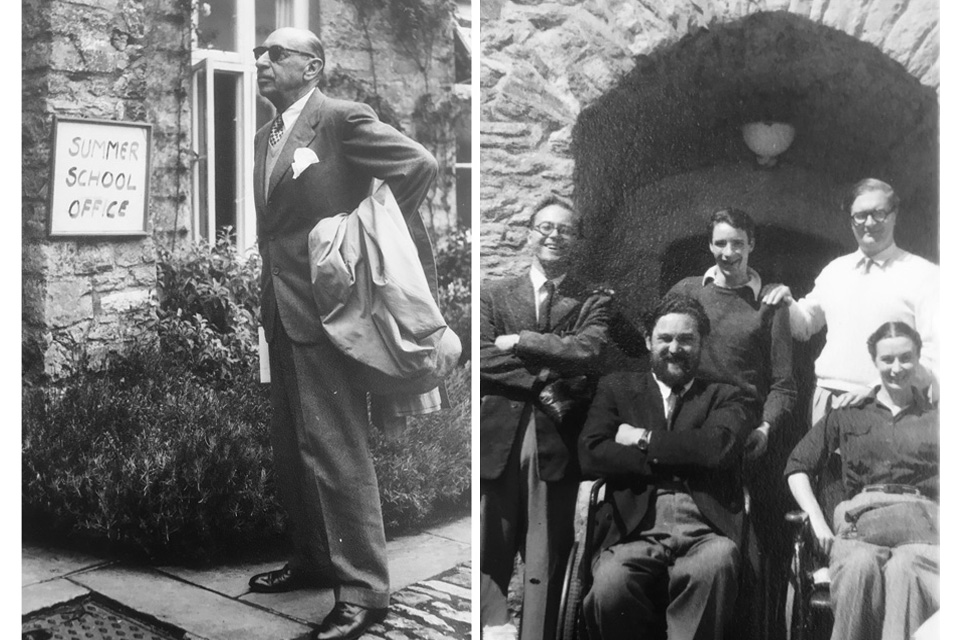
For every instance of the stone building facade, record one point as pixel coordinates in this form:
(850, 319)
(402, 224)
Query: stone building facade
(635, 108)
(130, 60)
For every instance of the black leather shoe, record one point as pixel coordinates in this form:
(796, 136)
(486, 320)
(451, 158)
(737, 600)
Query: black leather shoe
(348, 622)
(284, 579)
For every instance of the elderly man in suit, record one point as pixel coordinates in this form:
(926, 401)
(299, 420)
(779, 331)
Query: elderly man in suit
(537, 331)
(317, 159)
(670, 445)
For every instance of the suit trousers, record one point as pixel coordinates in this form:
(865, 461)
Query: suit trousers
(677, 580)
(324, 469)
(520, 512)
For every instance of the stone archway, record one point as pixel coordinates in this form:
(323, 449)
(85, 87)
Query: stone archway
(663, 149)
(544, 66)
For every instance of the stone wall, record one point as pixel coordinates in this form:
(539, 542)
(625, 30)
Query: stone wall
(370, 54)
(112, 60)
(664, 87)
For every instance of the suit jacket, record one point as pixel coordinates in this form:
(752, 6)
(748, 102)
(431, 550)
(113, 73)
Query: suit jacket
(352, 147)
(511, 382)
(702, 448)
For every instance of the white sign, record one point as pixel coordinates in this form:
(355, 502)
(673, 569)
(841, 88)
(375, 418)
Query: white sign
(100, 178)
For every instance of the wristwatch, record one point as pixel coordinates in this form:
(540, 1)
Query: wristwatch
(644, 442)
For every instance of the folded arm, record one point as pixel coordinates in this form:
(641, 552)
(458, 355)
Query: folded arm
(716, 444)
(574, 351)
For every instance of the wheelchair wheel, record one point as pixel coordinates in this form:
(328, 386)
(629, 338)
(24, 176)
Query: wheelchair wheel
(569, 620)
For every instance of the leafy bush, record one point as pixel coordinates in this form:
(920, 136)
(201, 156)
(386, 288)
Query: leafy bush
(148, 458)
(165, 452)
(453, 277)
(209, 301)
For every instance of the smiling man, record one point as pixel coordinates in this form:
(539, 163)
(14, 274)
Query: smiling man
(666, 557)
(322, 460)
(537, 331)
(856, 293)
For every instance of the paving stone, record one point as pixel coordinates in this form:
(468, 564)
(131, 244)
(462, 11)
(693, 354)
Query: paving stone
(446, 587)
(35, 597)
(307, 605)
(232, 581)
(39, 564)
(416, 558)
(197, 611)
(459, 530)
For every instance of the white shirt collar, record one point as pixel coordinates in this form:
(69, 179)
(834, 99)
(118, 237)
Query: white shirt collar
(293, 111)
(538, 277)
(665, 391)
(881, 259)
(753, 282)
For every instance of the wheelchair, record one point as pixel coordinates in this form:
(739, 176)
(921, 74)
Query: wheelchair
(811, 615)
(578, 576)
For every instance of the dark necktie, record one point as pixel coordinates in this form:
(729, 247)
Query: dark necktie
(276, 131)
(543, 324)
(675, 394)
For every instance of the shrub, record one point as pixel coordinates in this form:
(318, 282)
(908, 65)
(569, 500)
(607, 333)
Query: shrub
(149, 458)
(453, 277)
(165, 452)
(209, 301)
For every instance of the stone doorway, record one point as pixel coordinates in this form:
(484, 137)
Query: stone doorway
(661, 150)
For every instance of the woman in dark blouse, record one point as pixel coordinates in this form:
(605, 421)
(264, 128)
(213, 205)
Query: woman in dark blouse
(885, 556)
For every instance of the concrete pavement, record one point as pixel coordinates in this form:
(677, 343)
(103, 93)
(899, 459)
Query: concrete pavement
(430, 575)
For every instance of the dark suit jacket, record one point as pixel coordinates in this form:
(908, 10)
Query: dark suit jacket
(702, 448)
(511, 382)
(352, 147)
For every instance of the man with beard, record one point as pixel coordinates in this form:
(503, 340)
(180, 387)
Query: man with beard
(666, 561)
(537, 331)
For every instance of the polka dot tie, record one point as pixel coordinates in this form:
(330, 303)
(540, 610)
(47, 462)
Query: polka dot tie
(276, 131)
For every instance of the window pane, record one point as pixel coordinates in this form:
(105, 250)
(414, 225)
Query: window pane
(464, 196)
(225, 86)
(217, 25)
(266, 19)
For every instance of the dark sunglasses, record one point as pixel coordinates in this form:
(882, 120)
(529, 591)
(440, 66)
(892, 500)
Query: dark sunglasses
(278, 53)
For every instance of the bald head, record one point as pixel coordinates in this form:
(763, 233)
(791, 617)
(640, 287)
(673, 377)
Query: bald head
(289, 66)
(305, 40)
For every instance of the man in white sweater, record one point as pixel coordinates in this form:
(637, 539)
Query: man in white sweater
(856, 293)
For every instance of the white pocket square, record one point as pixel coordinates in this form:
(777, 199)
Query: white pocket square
(303, 158)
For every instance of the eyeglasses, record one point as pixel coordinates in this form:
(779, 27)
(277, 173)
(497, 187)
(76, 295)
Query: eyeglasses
(278, 53)
(565, 230)
(878, 215)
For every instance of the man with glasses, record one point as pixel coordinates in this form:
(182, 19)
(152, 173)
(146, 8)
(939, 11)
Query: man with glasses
(541, 335)
(316, 159)
(856, 293)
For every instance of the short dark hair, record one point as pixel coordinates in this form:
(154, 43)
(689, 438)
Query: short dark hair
(551, 200)
(895, 329)
(866, 186)
(736, 218)
(679, 303)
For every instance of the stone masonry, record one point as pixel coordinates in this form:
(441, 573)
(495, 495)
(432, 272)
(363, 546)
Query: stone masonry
(111, 60)
(544, 63)
(367, 55)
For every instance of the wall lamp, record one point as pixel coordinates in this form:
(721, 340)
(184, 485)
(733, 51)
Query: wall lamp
(768, 140)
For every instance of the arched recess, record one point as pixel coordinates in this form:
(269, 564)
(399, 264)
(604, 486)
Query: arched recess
(660, 151)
